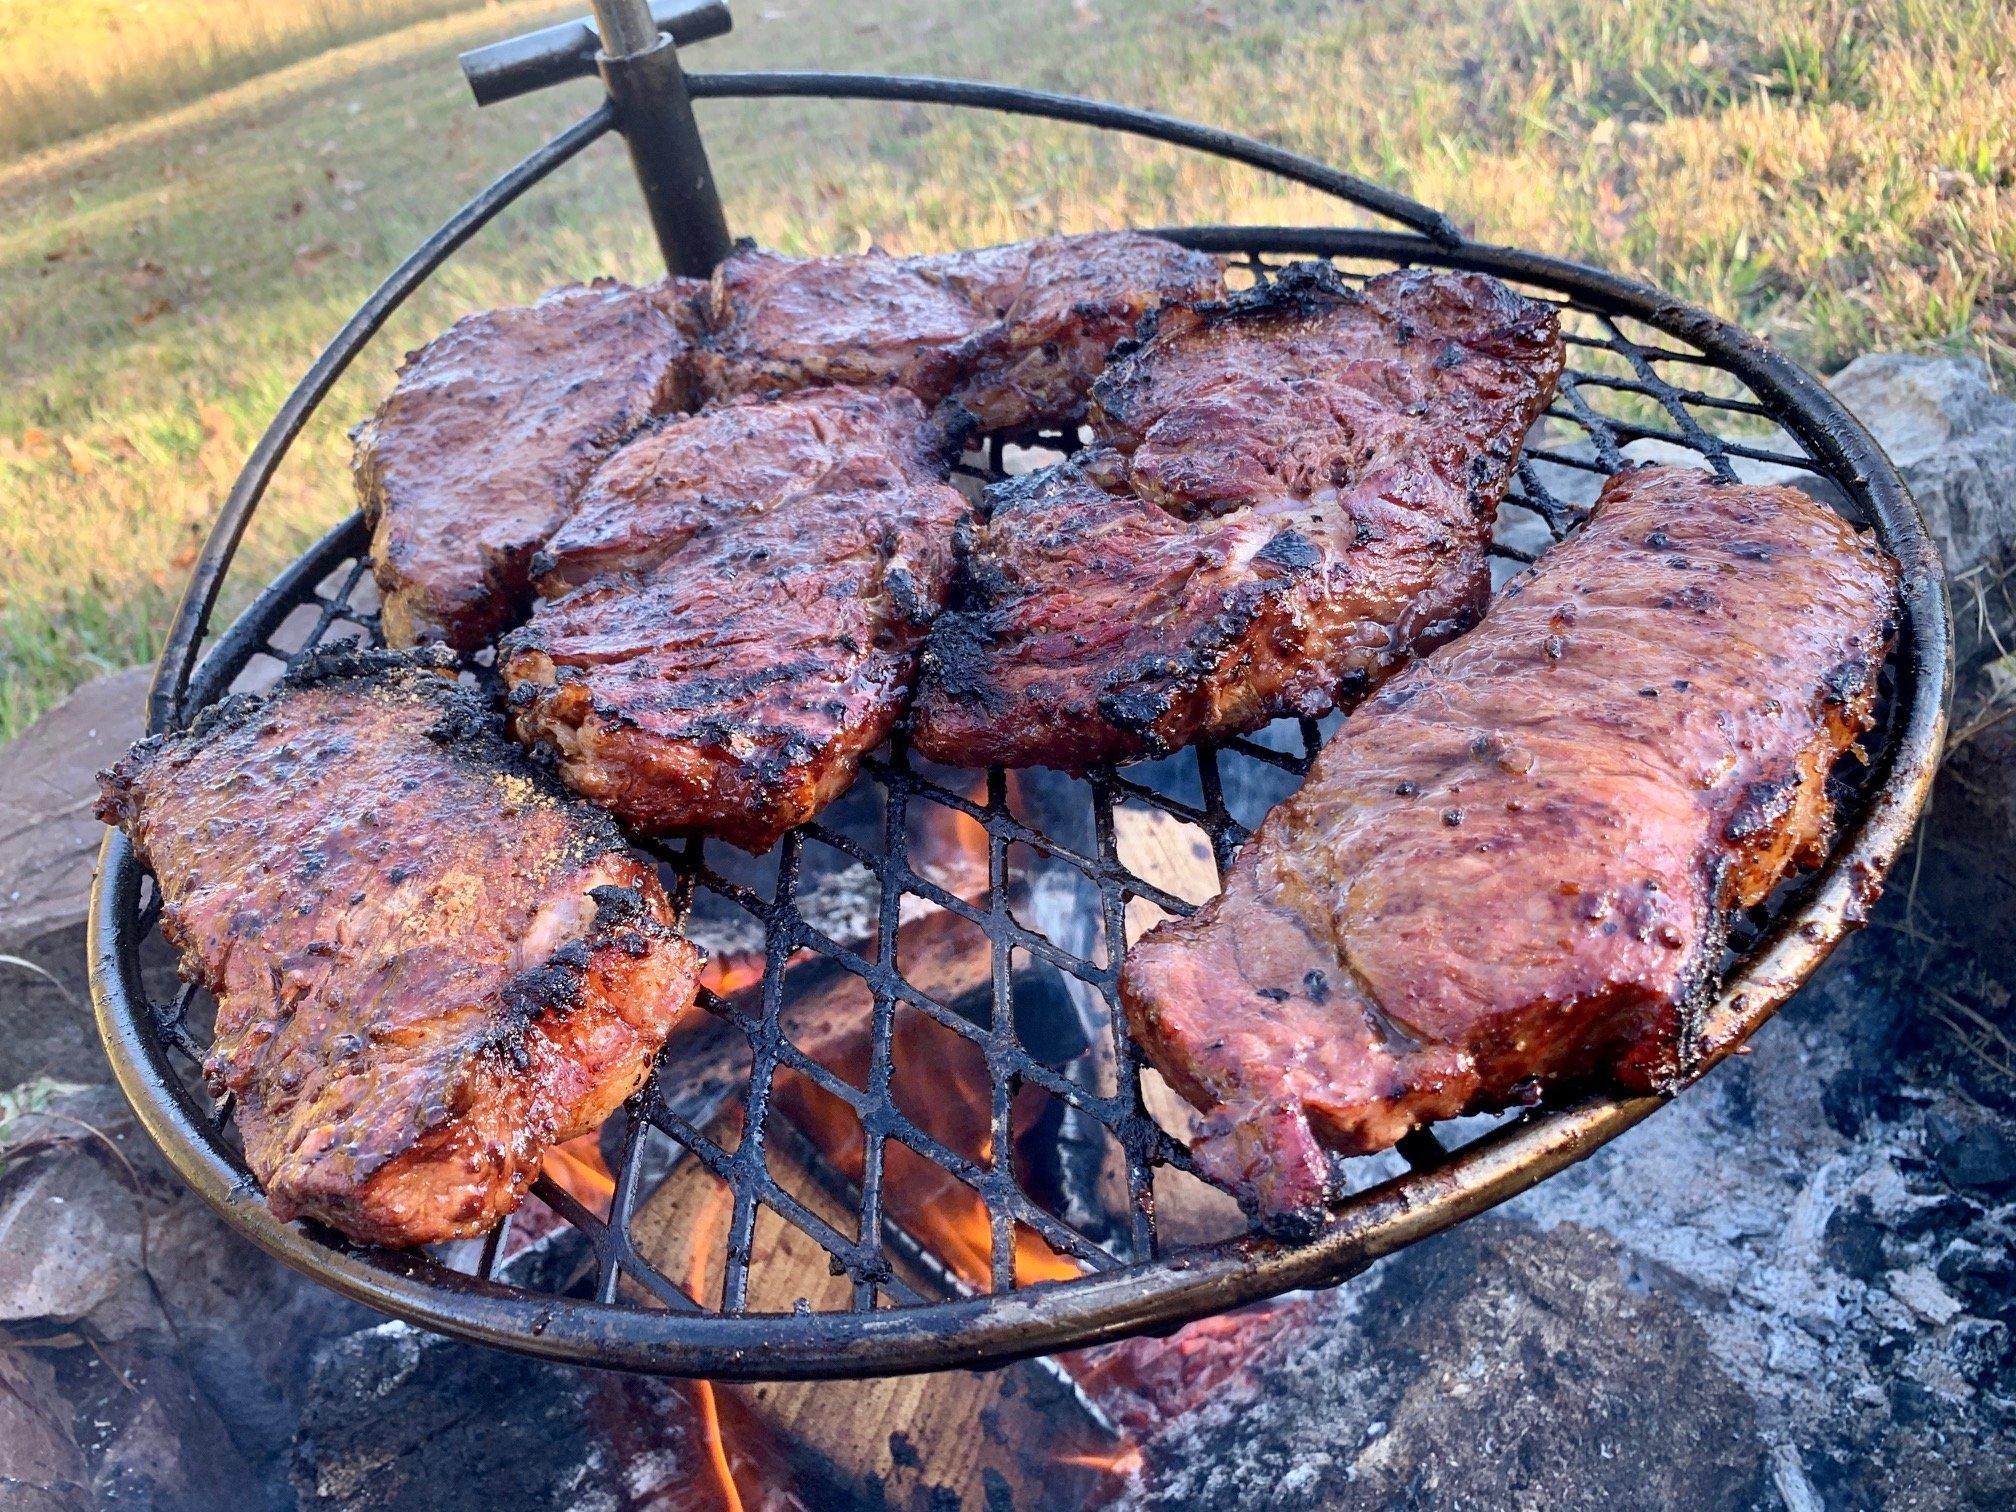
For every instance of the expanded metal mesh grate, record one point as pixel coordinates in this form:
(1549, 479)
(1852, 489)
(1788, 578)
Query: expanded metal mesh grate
(1045, 885)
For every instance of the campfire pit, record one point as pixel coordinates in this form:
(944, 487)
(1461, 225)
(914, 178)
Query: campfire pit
(1044, 1200)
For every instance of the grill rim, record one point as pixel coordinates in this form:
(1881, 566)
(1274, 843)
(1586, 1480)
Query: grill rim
(1145, 1295)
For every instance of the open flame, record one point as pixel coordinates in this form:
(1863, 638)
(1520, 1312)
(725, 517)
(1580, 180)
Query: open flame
(950, 1102)
(578, 1169)
(1123, 1463)
(940, 1079)
(710, 1226)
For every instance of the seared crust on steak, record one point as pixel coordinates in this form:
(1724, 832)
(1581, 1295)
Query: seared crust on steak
(475, 455)
(739, 605)
(1291, 494)
(1510, 870)
(1015, 333)
(429, 963)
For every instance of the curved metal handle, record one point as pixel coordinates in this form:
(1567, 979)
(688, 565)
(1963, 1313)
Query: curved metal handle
(974, 94)
(165, 698)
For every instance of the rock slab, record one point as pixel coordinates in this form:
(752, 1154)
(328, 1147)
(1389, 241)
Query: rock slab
(1953, 437)
(48, 835)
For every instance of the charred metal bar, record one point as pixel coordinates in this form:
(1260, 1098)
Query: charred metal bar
(523, 65)
(640, 69)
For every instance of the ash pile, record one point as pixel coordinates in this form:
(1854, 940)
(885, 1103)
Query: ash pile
(1796, 1287)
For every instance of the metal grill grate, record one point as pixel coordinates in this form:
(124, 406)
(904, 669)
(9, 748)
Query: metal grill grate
(1631, 393)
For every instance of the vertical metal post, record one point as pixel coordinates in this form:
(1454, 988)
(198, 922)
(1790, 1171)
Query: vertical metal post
(640, 69)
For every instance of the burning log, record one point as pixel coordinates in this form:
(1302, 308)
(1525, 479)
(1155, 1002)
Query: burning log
(909, 1439)
(903, 1437)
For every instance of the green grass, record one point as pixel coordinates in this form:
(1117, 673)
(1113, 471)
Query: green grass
(1836, 175)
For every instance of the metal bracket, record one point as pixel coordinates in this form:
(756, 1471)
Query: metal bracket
(637, 56)
(500, 71)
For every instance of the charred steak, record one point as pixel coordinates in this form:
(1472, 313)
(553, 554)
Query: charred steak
(474, 457)
(1510, 869)
(1015, 334)
(1290, 494)
(429, 963)
(738, 608)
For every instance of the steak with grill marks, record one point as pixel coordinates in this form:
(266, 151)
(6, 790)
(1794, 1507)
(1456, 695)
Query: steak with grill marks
(475, 456)
(1015, 334)
(737, 610)
(1510, 869)
(1290, 494)
(430, 964)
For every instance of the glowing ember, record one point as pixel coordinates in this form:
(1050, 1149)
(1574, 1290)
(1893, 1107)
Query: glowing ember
(725, 974)
(1145, 1382)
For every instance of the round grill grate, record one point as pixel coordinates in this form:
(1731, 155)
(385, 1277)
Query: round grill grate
(1057, 1209)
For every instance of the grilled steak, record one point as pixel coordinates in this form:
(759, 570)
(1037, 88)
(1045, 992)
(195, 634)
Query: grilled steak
(474, 457)
(429, 963)
(693, 475)
(1015, 333)
(1291, 493)
(1510, 869)
(739, 606)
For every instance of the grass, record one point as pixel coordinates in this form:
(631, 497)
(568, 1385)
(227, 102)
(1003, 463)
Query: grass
(72, 66)
(1838, 176)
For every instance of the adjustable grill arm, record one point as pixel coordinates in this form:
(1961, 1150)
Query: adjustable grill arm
(637, 55)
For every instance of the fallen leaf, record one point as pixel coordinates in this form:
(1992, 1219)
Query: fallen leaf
(309, 254)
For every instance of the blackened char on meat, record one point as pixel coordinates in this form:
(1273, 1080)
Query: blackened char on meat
(474, 457)
(737, 608)
(1015, 333)
(1290, 494)
(429, 963)
(1509, 870)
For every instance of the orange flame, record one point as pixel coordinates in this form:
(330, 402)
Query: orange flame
(963, 1235)
(578, 1169)
(1124, 1462)
(710, 1412)
(946, 1089)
